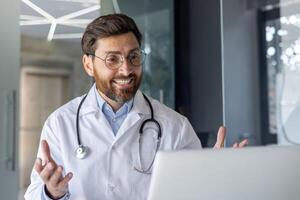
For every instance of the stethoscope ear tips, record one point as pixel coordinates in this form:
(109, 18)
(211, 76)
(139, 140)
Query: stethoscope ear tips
(81, 152)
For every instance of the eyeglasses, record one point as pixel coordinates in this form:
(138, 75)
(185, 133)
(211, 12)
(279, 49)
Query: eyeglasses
(115, 60)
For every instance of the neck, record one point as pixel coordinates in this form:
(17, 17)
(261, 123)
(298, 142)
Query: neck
(114, 105)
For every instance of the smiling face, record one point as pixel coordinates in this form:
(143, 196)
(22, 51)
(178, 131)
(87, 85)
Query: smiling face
(119, 85)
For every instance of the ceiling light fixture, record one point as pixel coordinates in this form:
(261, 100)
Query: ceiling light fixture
(67, 36)
(66, 20)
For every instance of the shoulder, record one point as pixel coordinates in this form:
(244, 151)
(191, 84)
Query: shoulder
(68, 109)
(177, 128)
(166, 113)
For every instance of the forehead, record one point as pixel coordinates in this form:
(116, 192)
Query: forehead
(119, 43)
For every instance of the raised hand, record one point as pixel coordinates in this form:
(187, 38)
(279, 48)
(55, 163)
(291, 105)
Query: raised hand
(221, 139)
(51, 174)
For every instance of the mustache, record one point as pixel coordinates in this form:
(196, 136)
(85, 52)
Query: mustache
(126, 77)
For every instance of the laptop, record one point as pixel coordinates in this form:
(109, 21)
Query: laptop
(251, 173)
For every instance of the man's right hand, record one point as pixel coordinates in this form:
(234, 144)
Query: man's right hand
(51, 174)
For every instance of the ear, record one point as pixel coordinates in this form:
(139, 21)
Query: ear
(88, 65)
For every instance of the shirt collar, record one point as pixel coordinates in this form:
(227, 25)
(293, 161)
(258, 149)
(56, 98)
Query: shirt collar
(102, 104)
(90, 105)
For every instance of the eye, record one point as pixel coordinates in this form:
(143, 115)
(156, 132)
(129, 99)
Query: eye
(112, 59)
(135, 54)
(135, 58)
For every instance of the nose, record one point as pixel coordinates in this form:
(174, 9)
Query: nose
(126, 67)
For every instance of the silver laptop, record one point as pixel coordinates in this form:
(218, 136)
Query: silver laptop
(252, 173)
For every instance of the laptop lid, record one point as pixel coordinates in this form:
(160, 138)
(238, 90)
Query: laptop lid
(260, 173)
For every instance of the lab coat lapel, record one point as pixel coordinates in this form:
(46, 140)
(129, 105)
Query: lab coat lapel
(90, 106)
(90, 103)
(139, 111)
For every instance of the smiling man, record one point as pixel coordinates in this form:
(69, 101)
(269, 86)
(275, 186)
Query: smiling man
(117, 77)
(102, 145)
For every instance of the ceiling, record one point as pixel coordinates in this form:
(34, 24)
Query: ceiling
(57, 19)
(67, 19)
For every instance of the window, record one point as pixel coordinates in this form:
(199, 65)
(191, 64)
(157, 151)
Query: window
(281, 73)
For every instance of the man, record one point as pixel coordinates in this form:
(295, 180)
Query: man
(118, 162)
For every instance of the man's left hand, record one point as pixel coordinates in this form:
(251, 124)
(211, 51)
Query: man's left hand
(221, 139)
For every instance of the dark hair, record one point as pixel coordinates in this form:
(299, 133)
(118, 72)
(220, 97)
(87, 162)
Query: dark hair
(105, 26)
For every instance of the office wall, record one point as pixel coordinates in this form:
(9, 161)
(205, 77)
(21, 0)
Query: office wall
(57, 54)
(199, 39)
(9, 85)
(198, 64)
(241, 71)
(205, 65)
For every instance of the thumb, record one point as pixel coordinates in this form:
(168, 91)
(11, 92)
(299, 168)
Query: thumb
(220, 137)
(46, 151)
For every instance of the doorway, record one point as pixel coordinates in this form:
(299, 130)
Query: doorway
(42, 90)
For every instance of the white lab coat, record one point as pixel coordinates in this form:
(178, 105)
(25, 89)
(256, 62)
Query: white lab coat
(107, 172)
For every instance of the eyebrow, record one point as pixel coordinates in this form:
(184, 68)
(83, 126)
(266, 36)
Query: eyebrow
(118, 52)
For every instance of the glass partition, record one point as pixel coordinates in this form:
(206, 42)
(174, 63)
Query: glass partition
(282, 55)
(155, 21)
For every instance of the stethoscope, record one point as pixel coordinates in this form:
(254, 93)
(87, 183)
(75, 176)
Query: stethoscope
(82, 151)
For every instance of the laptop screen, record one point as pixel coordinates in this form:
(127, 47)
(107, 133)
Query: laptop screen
(260, 173)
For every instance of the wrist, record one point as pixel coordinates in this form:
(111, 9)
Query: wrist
(53, 197)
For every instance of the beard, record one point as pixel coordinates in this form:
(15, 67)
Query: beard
(110, 90)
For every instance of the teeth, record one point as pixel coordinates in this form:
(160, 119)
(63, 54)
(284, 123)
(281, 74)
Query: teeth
(122, 81)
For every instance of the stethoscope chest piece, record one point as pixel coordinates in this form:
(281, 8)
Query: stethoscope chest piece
(81, 152)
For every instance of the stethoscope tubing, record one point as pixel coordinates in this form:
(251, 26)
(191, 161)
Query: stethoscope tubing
(77, 121)
(81, 151)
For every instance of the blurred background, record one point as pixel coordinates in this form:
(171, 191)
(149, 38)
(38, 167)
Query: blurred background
(233, 62)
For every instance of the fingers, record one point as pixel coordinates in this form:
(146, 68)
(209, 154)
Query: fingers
(235, 145)
(241, 144)
(52, 176)
(51, 173)
(46, 151)
(56, 176)
(38, 165)
(47, 172)
(220, 137)
(65, 180)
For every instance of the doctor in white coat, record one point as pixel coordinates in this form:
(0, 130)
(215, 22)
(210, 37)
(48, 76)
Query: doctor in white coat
(114, 160)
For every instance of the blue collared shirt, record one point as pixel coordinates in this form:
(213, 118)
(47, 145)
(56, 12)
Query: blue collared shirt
(115, 119)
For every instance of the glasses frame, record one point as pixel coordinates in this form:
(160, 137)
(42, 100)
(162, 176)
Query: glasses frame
(143, 53)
